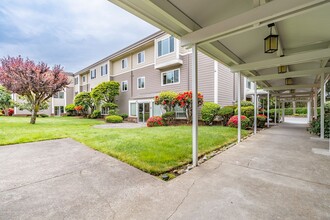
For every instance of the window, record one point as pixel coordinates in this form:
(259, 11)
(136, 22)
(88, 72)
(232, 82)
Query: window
(180, 112)
(61, 95)
(140, 57)
(76, 80)
(58, 110)
(93, 74)
(171, 77)
(56, 95)
(248, 84)
(140, 82)
(124, 63)
(132, 107)
(166, 46)
(124, 86)
(104, 111)
(104, 70)
(84, 79)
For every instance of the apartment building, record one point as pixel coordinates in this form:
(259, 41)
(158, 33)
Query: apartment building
(154, 64)
(56, 105)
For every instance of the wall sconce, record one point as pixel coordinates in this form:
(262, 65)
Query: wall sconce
(271, 41)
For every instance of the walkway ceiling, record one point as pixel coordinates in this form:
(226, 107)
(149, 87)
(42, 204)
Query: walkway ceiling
(233, 34)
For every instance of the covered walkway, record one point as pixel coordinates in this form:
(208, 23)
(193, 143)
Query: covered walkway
(271, 175)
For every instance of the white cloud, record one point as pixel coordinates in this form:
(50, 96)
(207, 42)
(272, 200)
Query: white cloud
(58, 31)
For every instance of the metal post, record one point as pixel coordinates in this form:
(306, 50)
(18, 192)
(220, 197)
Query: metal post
(309, 111)
(239, 108)
(275, 112)
(268, 109)
(315, 104)
(283, 110)
(322, 106)
(195, 104)
(255, 108)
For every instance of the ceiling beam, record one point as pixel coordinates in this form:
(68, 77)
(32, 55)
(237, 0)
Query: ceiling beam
(271, 12)
(290, 94)
(294, 74)
(287, 60)
(302, 86)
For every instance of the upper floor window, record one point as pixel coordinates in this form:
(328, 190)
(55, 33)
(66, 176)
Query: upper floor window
(140, 57)
(124, 63)
(165, 46)
(76, 80)
(84, 78)
(59, 95)
(248, 84)
(124, 86)
(93, 74)
(104, 70)
(140, 82)
(171, 77)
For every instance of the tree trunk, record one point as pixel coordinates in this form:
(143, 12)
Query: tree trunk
(35, 110)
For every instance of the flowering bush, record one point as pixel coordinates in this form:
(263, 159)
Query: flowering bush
(233, 122)
(10, 111)
(185, 101)
(79, 108)
(155, 121)
(261, 119)
(166, 99)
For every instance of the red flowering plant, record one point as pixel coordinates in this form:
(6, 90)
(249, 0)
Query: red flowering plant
(261, 120)
(185, 101)
(79, 109)
(233, 122)
(10, 112)
(155, 121)
(167, 100)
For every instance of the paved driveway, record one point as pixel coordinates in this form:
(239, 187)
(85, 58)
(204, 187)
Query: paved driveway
(268, 176)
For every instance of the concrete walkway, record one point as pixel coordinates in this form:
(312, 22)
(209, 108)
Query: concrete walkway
(272, 175)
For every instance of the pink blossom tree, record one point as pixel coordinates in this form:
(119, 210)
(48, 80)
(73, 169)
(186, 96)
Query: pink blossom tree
(35, 82)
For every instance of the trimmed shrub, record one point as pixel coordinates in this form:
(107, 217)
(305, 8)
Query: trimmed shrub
(167, 99)
(168, 118)
(110, 105)
(124, 116)
(114, 119)
(233, 122)
(70, 109)
(246, 103)
(226, 113)
(261, 120)
(113, 112)
(248, 111)
(315, 126)
(155, 121)
(96, 114)
(209, 111)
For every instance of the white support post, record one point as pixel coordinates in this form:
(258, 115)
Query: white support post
(268, 109)
(255, 108)
(195, 105)
(283, 110)
(239, 108)
(322, 106)
(275, 112)
(65, 102)
(53, 107)
(315, 104)
(309, 111)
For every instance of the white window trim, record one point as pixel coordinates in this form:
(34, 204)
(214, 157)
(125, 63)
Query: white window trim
(162, 74)
(103, 67)
(161, 39)
(121, 63)
(150, 101)
(91, 73)
(121, 86)
(137, 82)
(144, 57)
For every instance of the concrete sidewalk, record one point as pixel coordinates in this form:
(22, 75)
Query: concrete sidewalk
(271, 175)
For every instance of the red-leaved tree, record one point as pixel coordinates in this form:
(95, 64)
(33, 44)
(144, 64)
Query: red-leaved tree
(36, 82)
(184, 100)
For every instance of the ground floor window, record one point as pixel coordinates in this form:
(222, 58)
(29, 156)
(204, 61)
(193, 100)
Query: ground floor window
(104, 111)
(132, 108)
(58, 110)
(179, 112)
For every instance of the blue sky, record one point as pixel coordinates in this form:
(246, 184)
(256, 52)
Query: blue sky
(73, 33)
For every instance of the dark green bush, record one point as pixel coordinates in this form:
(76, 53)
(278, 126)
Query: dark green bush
(248, 111)
(114, 119)
(124, 116)
(110, 105)
(315, 126)
(209, 111)
(96, 114)
(261, 120)
(70, 109)
(226, 113)
(113, 112)
(168, 118)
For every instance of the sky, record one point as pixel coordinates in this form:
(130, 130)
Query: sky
(72, 33)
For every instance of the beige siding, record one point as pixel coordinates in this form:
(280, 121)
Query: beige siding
(206, 77)
(116, 66)
(99, 79)
(124, 97)
(148, 57)
(225, 83)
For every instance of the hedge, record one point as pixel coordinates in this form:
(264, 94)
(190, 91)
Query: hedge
(114, 119)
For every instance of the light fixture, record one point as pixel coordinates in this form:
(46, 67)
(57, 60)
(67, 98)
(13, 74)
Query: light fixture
(292, 91)
(288, 81)
(271, 41)
(283, 68)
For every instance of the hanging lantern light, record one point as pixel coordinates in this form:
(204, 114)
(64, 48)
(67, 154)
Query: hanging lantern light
(283, 68)
(292, 91)
(288, 81)
(271, 41)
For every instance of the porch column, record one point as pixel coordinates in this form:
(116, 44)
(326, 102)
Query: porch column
(195, 104)
(322, 105)
(294, 107)
(255, 108)
(283, 110)
(53, 112)
(239, 108)
(268, 109)
(309, 111)
(275, 112)
(315, 104)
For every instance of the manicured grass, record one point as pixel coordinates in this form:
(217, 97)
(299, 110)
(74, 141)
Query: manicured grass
(154, 150)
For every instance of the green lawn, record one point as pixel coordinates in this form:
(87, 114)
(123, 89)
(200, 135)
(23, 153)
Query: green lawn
(154, 150)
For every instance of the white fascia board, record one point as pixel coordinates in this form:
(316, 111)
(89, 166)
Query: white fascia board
(302, 86)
